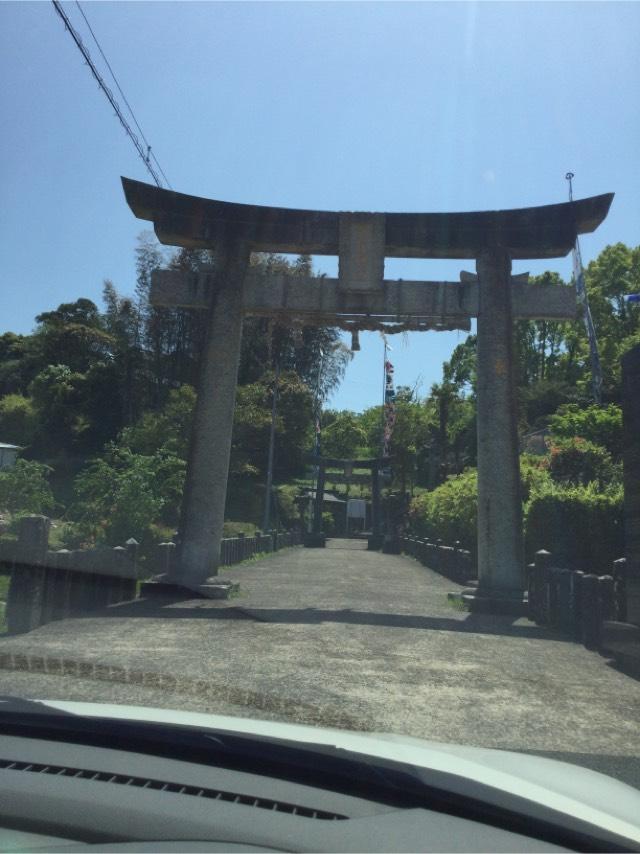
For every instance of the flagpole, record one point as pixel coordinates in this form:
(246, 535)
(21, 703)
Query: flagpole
(384, 390)
(583, 299)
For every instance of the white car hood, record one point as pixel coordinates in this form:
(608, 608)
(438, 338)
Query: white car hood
(576, 791)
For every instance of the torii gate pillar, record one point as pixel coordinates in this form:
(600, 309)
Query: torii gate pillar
(500, 545)
(202, 517)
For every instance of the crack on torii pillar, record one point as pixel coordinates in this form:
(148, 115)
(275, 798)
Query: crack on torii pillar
(362, 298)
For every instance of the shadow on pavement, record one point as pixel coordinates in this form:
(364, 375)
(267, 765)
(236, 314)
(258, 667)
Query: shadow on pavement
(167, 609)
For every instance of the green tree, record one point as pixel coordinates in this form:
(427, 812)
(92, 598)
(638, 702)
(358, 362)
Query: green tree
(123, 494)
(601, 425)
(169, 429)
(18, 419)
(25, 488)
(72, 335)
(55, 394)
(344, 436)
(614, 273)
(252, 421)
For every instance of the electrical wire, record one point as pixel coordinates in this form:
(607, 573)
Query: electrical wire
(124, 97)
(87, 57)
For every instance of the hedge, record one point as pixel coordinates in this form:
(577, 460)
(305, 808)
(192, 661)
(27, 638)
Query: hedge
(583, 528)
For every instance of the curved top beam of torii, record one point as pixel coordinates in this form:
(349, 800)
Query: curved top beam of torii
(548, 231)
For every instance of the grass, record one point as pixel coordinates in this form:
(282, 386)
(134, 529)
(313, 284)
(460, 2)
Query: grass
(458, 604)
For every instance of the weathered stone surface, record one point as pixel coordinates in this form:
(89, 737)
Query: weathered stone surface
(500, 547)
(442, 302)
(210, 447)
(361, 252)
(548, 231)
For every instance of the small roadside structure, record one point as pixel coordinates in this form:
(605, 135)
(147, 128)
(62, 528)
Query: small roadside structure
(8, 455)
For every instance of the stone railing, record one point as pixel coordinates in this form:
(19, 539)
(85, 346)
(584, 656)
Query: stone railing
(51, 585)
(576, 602)
(233, 549)
(453, 561)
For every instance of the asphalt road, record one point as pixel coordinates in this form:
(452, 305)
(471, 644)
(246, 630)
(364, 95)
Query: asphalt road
(349, 638)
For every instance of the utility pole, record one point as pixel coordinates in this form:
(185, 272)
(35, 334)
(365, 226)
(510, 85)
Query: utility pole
(266, 522)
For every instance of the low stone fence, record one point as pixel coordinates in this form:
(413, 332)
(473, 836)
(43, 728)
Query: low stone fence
(51, 585)
(453, 561)
(233, 549)
(576, 602)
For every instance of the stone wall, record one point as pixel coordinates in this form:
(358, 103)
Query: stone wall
(453, 561)
(577, 603)
(51, 585)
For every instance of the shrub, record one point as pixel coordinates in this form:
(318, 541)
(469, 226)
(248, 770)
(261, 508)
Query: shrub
(578, 461)
(328, 523)
(581, 527)
(449, 511)
(601, 425)
(25, 488)
(123, 494)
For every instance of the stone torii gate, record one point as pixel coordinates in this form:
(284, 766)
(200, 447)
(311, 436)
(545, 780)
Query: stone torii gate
(374, 465)
(360, 297)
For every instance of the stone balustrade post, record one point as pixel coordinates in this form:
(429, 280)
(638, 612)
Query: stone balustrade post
(165, 558)
(576, 603)
(133, 547)
(531, 593)
(457, 563)
(607, 600)
(590, 611)
(553, 615)
(565, 614)
(620, 589)
(26, 598)
(541, 566)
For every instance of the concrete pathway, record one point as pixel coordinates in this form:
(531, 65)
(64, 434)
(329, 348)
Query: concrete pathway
(348, 638)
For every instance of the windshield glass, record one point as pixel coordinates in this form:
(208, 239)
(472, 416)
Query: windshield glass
(266, 457)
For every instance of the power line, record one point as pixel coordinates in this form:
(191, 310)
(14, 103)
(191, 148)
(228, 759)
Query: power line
(145, 156)
(124, 97)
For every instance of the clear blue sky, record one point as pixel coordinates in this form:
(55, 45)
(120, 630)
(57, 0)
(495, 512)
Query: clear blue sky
(390, 106)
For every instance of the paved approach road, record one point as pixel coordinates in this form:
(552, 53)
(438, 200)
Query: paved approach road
(349, 638)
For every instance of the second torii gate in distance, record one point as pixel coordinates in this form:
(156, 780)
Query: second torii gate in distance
(361, 298)
(316, 537)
